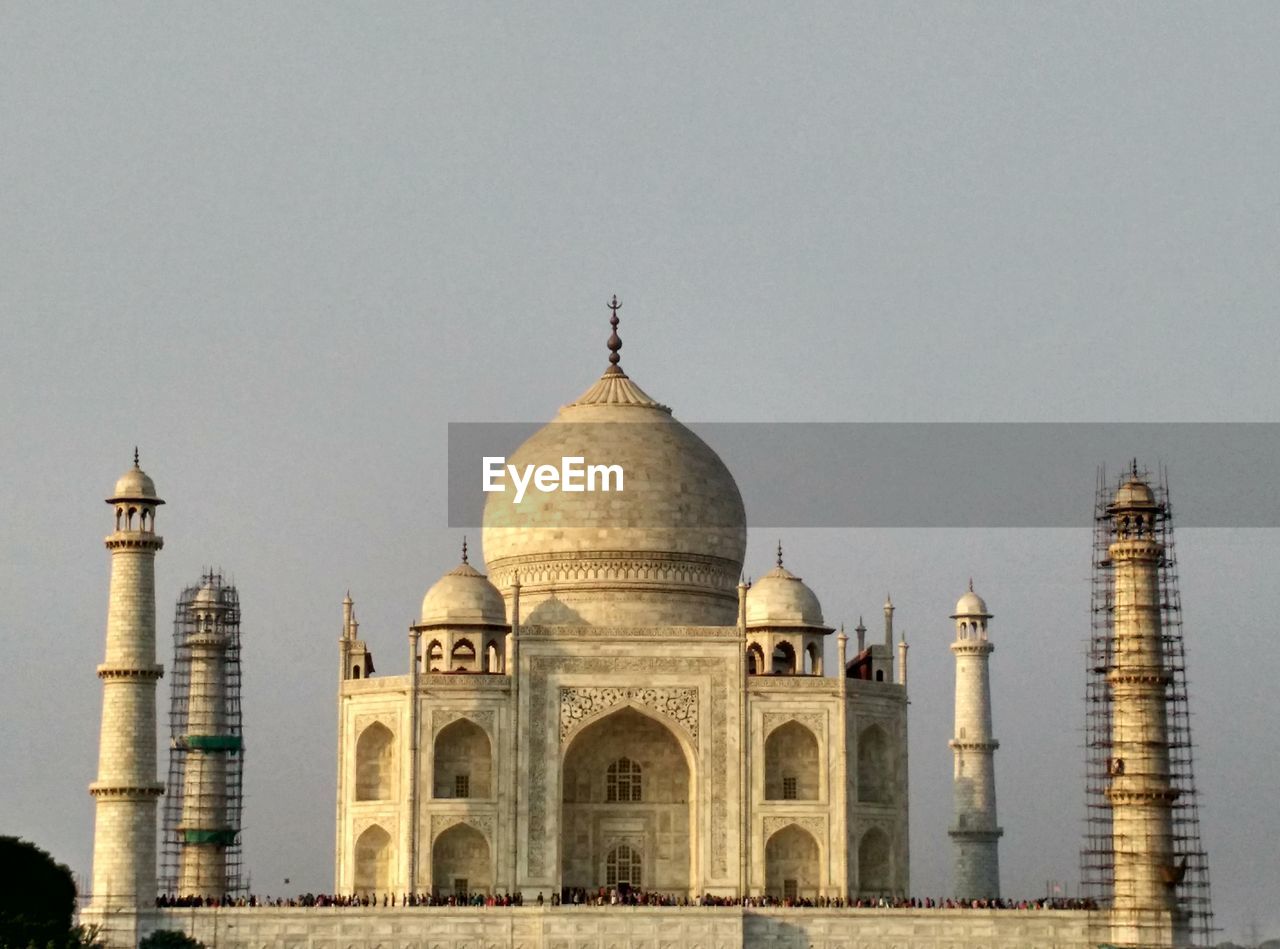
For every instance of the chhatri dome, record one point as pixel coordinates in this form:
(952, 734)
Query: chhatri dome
(134, 485)
(463, 597)
(780, 598)
(666, 550)
(970, 604)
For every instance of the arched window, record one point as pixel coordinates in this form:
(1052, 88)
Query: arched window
(792, 764)
(463, 656)
(355, 672)
(784, 659)
(623, 867)
(374, 752)
(463, 761)
(492, 658)
(435, 657)
(755, 660)
(623, 781)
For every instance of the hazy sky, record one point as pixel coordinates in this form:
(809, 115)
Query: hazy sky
(281, 246)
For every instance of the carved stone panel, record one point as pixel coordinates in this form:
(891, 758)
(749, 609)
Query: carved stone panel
(442, 717)
(814, 825)
(678, 704)
(814, 721)
(481, 822)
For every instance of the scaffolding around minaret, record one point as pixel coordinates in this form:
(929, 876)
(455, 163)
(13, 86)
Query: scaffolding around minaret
(201, 846)
(1107, 857)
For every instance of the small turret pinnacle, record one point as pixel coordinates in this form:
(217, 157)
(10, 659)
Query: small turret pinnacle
(135, 456)
(971, 584)
(779, 552)
(464, 548)
(615, 341)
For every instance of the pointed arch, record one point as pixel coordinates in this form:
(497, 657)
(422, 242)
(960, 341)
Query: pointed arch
(784, 659)
(659, 826)
(493, 658)
(755, 660)
(463, 656)
(793, 865)
(461, 862)
(435, 657)
(463, 761)
(875, 766)
(792, 764)
(875, 872)
(375, 755)
(812, 660)
(688, 743)
(373, 861)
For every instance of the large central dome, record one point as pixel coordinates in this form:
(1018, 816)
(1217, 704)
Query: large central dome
(666, 550)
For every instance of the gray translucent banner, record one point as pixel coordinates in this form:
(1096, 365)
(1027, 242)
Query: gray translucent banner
(894, 474)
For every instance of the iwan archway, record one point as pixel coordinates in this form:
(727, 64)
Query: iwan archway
(628, 811)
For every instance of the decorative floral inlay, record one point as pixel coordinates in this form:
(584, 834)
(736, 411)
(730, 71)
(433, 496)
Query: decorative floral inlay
(577, 704)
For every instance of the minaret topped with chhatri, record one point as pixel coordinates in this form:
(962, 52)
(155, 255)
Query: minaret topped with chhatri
(975, 835)
(126, 791)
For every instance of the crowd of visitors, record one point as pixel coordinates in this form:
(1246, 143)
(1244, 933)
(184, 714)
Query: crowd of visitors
(604, 896)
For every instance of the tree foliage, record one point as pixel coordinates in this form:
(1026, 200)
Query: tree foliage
(170, 939)
(37, 898)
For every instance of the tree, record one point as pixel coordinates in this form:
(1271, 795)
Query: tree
(37, 898)
(170, 939)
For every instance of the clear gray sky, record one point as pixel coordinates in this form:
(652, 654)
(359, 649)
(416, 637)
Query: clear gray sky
(280, 246)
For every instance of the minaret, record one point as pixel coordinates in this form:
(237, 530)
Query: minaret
(204, 829)
(975, 835)
(1139, 789)
(126, 791)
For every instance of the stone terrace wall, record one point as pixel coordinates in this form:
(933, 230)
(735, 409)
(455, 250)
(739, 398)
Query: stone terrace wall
(629, 928)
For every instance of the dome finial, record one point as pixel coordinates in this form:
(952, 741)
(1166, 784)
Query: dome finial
(779, 552)
(135, 456)
(971, 584)
(615, 341)
(464, 548)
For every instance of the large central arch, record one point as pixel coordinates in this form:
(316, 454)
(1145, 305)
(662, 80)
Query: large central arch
(628, 806)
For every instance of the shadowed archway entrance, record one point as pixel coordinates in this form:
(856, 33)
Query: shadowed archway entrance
(460, 863)
(627, 807)
(792, 864)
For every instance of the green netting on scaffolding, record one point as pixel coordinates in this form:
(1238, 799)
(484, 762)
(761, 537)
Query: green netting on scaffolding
(214, 742)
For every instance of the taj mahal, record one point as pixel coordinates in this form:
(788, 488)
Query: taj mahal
(606, 703)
